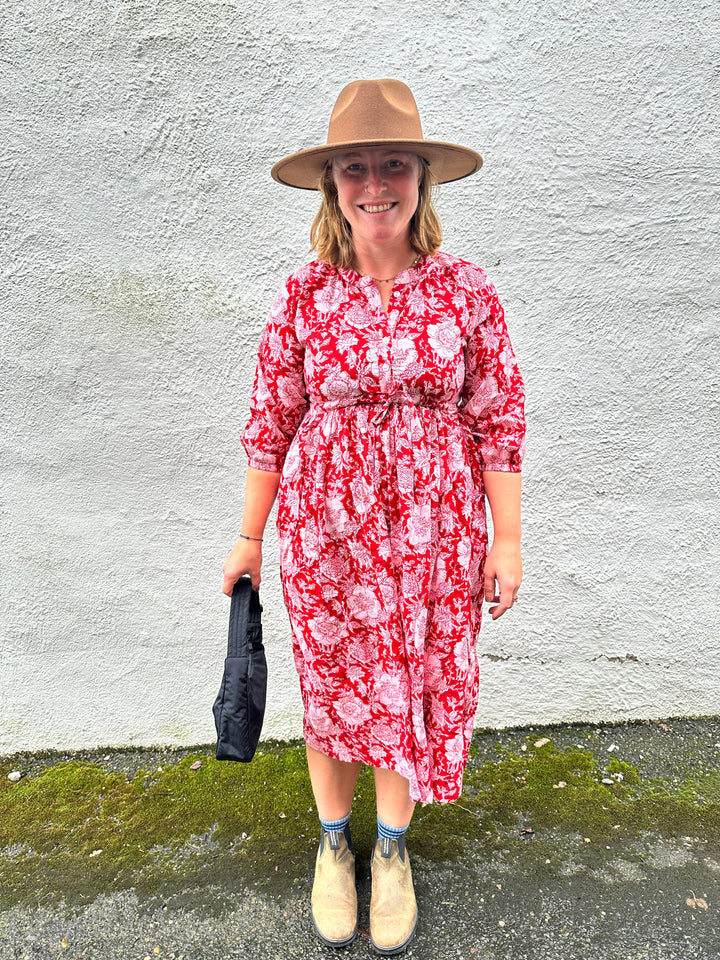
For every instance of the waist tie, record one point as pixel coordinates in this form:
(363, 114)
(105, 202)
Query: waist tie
(385, 404)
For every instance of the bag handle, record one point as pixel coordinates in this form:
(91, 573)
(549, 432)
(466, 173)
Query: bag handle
(245, 613)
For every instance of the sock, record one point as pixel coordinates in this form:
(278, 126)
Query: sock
(335, 826)
(387, 834)
(390, 833)
(333, 829)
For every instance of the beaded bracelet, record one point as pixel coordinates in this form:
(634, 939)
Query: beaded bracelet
(246, 537)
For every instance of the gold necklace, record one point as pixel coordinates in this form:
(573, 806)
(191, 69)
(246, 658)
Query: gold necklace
(390, 279)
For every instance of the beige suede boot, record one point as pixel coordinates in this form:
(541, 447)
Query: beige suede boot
(334, 898)
(393, 908)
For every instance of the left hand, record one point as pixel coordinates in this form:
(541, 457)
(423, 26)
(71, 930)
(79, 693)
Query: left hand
(503, 575)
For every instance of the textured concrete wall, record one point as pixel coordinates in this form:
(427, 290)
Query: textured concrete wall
(143, 240)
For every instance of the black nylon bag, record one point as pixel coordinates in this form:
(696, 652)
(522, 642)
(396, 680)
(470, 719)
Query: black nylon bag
(239, 707)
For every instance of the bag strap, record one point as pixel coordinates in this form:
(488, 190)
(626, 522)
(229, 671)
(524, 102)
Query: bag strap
(245, 612)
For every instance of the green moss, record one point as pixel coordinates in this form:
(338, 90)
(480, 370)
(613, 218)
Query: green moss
(628, 772)
(72, 828)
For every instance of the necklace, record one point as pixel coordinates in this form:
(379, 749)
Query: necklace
(390, 279)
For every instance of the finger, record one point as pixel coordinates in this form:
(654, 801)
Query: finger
(504, 602)
(498, 611)
(490, 588)
(506, 597)
(229, 581)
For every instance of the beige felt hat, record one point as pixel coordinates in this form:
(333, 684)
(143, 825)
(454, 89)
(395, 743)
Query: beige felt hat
(376, 113)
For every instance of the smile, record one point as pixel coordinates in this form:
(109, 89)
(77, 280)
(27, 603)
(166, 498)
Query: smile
(376, 207)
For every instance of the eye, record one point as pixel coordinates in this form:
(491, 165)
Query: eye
(394, 164)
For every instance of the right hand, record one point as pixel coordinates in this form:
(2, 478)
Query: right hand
(245, 559)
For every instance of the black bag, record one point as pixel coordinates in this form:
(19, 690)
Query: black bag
(240, 705)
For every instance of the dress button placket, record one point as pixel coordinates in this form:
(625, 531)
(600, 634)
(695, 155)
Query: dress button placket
(392, 319)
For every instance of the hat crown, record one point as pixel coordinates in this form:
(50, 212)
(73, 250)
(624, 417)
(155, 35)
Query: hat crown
(374, 110)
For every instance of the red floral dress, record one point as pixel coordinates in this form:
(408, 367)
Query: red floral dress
(382, 424)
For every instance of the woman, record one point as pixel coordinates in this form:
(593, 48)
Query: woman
(387, 404)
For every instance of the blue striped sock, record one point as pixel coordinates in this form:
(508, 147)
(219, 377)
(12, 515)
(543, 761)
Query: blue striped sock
(335, 826)
(390, 833)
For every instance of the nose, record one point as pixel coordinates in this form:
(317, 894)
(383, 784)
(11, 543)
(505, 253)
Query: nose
(375, 182)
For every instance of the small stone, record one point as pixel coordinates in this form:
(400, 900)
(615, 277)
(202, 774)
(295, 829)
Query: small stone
(501, 923)
(523, 747)
(282, 816)
(96, 853)
(14, 776)
(542, 742)
(612, 748)
(559, 786)
(196, 765)
(608, 781)
(64, 943)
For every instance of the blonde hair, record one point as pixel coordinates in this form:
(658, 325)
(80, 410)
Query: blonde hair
(331, 236)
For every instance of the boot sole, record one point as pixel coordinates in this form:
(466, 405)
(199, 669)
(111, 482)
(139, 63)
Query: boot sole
(334, 943)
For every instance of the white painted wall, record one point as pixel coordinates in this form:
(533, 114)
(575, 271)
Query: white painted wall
(143, 240)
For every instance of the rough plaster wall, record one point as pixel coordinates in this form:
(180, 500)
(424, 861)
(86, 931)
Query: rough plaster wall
(143, 240)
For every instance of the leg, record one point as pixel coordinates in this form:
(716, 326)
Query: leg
(393, 908)
(394, 806)
(333, 782)
(334, 899)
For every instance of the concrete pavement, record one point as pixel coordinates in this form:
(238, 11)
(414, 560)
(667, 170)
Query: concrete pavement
(575, 842)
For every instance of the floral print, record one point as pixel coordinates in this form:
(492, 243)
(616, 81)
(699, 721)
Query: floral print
(382, 424)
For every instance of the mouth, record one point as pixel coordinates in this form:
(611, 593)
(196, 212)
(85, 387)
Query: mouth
(377, 207)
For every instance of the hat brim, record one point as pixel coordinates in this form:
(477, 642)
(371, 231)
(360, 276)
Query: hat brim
(448, 161)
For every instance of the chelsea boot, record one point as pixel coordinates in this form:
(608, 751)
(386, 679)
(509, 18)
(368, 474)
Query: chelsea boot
(393, 908)
(334, 898)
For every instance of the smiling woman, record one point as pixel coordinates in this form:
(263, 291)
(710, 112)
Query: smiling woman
(387, 403)
(337, 232)
(378, 196)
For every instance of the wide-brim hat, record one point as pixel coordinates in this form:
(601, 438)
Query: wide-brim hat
(376, 113)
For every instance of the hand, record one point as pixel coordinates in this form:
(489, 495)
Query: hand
(503, 575)
(245, 558)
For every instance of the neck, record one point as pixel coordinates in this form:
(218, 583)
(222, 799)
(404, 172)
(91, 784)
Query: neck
(384, 263)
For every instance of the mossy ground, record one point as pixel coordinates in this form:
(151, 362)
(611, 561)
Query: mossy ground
(75, 826)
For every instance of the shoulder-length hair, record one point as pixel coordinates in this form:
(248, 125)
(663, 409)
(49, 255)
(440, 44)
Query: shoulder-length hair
(331, 236)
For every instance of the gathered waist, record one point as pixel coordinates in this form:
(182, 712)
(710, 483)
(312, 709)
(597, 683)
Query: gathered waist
(384, 404)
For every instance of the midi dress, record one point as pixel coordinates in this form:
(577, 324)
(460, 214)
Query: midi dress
(381, 424)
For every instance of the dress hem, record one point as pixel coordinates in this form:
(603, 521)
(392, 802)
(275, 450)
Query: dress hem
(417, 795)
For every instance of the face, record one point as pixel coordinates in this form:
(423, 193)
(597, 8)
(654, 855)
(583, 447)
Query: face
(378, 193)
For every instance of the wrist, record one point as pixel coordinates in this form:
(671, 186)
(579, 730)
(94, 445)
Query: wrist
(253, 539)
(508, 538)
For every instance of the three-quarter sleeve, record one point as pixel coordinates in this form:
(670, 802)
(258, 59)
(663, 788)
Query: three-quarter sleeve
(279, 399)
(492, 403)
